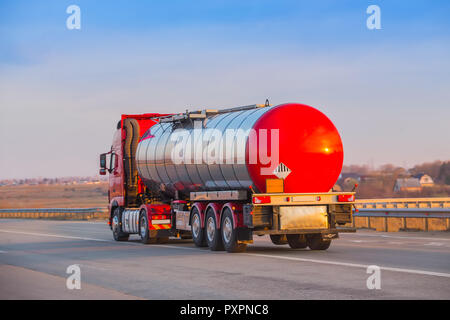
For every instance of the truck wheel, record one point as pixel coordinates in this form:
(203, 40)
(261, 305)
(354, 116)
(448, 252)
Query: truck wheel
(143, 229)
(116, 227)
(229, 234)
(213, 237)
(196, 229)
(297, 241)
(278, 239)
(316, 242)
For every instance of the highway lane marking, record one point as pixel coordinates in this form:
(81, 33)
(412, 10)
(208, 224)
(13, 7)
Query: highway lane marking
(54, 235)
(437, 244)
(422, 272)
(1, 251)
(94, 239)
(355, 265)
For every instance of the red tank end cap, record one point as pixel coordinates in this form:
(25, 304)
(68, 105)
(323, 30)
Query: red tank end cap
(309, 146)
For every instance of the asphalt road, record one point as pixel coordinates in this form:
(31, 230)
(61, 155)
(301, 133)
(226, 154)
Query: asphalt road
(35, 254)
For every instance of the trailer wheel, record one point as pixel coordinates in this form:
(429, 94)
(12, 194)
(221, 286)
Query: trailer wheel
(116, 227)
(229, 234)
(196, 229)
(317, 242)
(278, 239)
(213, 237)
(297, 241)
(143, 229)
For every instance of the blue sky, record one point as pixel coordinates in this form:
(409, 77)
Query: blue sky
(62, 91)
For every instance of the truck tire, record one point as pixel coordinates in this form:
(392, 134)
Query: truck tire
(316, 242)
(143, 229)
(116, 226)
(278, 239)
(297, 241)
(196, 229)
(229, 234)
(212, 234)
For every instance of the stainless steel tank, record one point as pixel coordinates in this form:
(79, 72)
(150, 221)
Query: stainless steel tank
(155, 153)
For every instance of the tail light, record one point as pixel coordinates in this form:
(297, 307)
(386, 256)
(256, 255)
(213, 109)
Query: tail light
(346, 198)
(261, 200)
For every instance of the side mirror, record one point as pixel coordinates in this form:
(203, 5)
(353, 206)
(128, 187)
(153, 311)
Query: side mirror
(112, 162)
(103, 164)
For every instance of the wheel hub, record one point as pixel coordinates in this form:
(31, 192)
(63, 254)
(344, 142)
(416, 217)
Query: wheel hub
(227, 230)
(115, 223)
(196, 226)
(210, 228)
(143, 227)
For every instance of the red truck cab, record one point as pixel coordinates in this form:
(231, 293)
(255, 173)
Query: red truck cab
(119, 176)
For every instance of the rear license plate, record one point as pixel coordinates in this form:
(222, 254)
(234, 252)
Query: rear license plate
(303, 217)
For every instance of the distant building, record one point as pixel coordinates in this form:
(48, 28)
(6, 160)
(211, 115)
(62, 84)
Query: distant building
(407, 184)
(351, 175)
(348, 180)
(425, 180)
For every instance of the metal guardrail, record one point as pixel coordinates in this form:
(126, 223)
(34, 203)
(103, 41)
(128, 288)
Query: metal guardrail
(388, 215)
(404, 212)
(442, 202)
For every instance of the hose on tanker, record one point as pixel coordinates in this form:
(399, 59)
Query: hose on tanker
(131, 127)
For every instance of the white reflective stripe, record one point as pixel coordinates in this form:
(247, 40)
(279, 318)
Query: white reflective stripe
(164, 221)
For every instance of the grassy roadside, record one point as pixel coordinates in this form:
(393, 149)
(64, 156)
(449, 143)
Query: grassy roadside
(54, 196)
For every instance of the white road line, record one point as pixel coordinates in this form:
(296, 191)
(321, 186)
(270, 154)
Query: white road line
(92, 239)
(437, 244)
(345, 264)
(176, 247)
(2, 251)
(395, 237)
(54, 235)
(355, 265)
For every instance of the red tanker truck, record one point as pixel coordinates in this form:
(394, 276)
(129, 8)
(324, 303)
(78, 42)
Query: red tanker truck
(222, 176)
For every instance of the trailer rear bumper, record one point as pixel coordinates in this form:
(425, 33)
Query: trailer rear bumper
(334, 231)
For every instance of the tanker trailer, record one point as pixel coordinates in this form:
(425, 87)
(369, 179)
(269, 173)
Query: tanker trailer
(222, 176)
